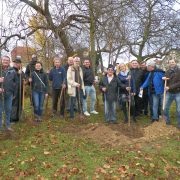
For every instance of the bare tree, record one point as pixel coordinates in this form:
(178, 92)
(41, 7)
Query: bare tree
(152, 28)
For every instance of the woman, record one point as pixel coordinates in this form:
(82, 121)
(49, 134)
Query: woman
(39, 82)
(109, 85)
(124, 93)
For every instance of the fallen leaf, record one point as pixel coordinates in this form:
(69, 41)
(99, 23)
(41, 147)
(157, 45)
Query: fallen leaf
(148, 159)
(33, 146)
(74, 170)
(106, 166)
(101, 170)
(152, 165)
(47, 165)
(22, 162)
(46, 153)
(32, 159)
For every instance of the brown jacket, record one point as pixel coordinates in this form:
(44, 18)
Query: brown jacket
(174, 79)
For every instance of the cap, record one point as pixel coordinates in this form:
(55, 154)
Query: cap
(151, 63)
(17, 59)
(34, 57)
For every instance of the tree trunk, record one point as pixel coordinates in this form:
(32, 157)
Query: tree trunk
(92, 35)
(65, 41)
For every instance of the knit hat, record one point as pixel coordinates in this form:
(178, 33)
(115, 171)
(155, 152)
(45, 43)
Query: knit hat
(151, 63)
(17, 59)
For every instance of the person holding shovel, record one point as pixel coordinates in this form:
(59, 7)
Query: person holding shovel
(17, 98)
(8, 82)
(58, 77)
(109, 85)
(123, 93)
(76, 88)
(155, 86)
(172, 76)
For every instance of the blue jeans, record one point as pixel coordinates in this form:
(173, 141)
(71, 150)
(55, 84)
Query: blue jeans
(79, 98)
(38, 101)
(156, 101)
(169, 99)
(109, 110)
(6, 105)
(90, 91)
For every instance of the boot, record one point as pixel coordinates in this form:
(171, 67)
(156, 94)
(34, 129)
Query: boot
(39, 119)
(36, 117)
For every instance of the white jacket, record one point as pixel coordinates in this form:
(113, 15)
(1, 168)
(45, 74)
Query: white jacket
(71, 81)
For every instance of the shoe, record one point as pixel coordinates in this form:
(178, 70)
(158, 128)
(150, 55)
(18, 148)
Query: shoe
(39, 119)
(1, 130)
(94, 112)
(10, 129)
(53, 115)
(86, 113)
(153, 120)
(61, 116)
(114, 122)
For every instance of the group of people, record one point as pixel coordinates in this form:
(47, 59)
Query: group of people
(144, 87)
(138, 86)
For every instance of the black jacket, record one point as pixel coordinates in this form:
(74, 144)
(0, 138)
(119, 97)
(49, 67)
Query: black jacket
(112, 87)
(88, 76)
(137, 78)
(30, 68)
(10, 81)
(37, 85)
(174, 79)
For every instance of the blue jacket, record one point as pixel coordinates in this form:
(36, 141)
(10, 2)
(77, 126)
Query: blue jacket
(157, 81)
(124, 81)
(58, 77)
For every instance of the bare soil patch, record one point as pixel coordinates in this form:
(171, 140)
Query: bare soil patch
(121, 134)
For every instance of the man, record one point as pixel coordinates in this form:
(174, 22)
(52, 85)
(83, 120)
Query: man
(17, 98)
(145, 97)
(8, 83)
(31, 66)
(58, 77)
(75, 86)
(155, 86)
(88, 77)
(109, 87)
(69, 63)
(137, 79)
(172, 76)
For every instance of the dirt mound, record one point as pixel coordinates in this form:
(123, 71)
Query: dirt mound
(121, 134)
(105, 135)
(158, 129)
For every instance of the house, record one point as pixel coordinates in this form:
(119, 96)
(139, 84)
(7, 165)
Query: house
(23, 51)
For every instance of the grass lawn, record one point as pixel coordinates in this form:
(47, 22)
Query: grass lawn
(45, 151)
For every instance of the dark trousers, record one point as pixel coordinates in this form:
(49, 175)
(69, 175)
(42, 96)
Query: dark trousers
(124, 105)
(55, 96)
(138, 105)
(79, 98)
(145, 102)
